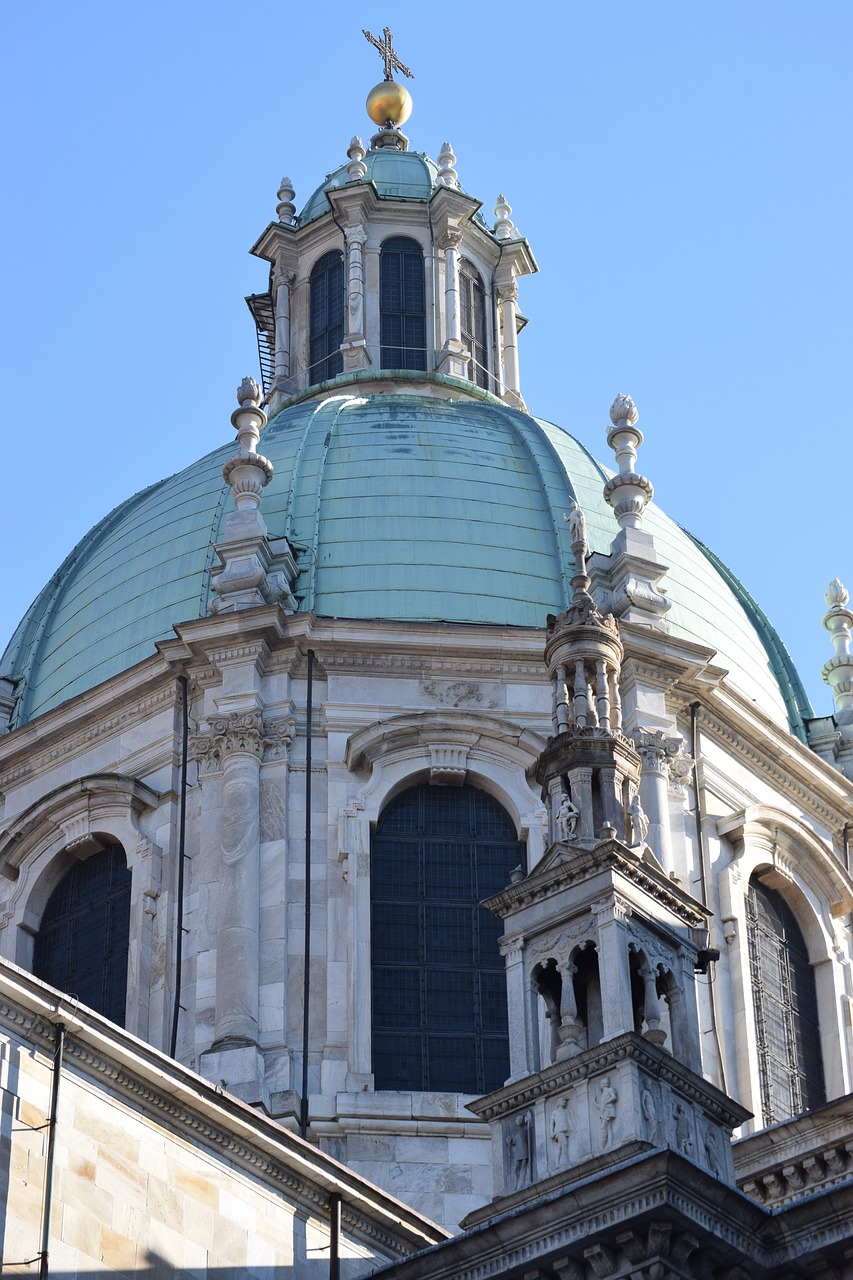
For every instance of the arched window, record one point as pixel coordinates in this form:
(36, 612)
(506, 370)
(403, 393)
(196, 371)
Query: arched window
(786, 1021)
(81, 946)
(402, 304)
(439, 989)
(327, 316)
(472, 311)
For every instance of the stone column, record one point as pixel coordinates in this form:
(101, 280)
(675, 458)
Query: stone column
(454, 357)
(508, 297)
(355, 343)
(521, 1060)
(612, 924)
(371, 289)
(283, 282)
(450, 245)
(652, 746)
(239, 884)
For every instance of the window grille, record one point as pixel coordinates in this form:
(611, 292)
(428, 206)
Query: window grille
(327, 317)
(82, 944)
(785, 1003)
(439, 987)
(472, 310)
(402, 304)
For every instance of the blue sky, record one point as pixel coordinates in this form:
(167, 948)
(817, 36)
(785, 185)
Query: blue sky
(681, 170)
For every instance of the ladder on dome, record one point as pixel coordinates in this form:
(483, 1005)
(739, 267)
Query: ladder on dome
(261, 307)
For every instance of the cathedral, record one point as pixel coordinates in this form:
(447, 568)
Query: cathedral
(419, 854)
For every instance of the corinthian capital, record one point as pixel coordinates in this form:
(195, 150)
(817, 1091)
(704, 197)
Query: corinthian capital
(239, 732)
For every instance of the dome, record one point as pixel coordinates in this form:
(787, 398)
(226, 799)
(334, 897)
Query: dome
(398, 506)
(396, 175)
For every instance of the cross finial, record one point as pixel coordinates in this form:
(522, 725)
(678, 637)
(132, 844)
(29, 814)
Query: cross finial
(387, 54)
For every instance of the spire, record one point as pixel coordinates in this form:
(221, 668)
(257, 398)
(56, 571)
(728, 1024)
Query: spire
(285, 208)
(627, 493)
(251, 572)
(630, 579)
(838, 671)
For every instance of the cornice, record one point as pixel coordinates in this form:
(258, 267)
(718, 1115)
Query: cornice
(76, 726)
(568, 865)
(189, 1105)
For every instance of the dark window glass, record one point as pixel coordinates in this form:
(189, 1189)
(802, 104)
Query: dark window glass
(439, 990)
(82, 944)
(327, 317)
(785, 1003)
(402, 304)
(472, 309)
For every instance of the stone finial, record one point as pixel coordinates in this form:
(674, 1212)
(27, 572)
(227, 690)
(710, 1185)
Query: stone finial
(356, 168)
(836, 594)
(623, 409)
(248, 392)
(838, 672)
(504, 226)
(447, 175)
(285, 208)
(248, 473)
(628, 493)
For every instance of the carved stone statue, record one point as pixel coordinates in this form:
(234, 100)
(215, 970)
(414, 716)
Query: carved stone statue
(650, 1114)
(608, 1101)
(518, 1150)
(562, 1128)
(568, 816)
(577, 523)
(639, 821)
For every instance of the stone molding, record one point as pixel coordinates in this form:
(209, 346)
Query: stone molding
(200, 1113)
(90, 804)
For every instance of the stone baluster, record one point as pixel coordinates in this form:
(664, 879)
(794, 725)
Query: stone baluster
(615, 701)
(602, 694)
(562, 701)
(651, 1006)
(570, 1030)
(581, 693)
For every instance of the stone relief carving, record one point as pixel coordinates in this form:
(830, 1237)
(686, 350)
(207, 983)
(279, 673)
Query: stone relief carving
(562, 1128)
(517, 1141)
(608, 1103)
(683, 1136)
(650, 1114)
(462, 693)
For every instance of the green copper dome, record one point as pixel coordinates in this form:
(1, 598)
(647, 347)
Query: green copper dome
(396, 175)
(398, 506)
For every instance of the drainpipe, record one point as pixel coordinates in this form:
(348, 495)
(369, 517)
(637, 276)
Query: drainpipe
(306, 980)
(59, 1046)
(700, 841)
(182, 834)
(334, 1236)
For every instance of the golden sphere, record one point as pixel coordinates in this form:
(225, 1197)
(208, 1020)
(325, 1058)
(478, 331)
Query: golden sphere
(389, 103)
